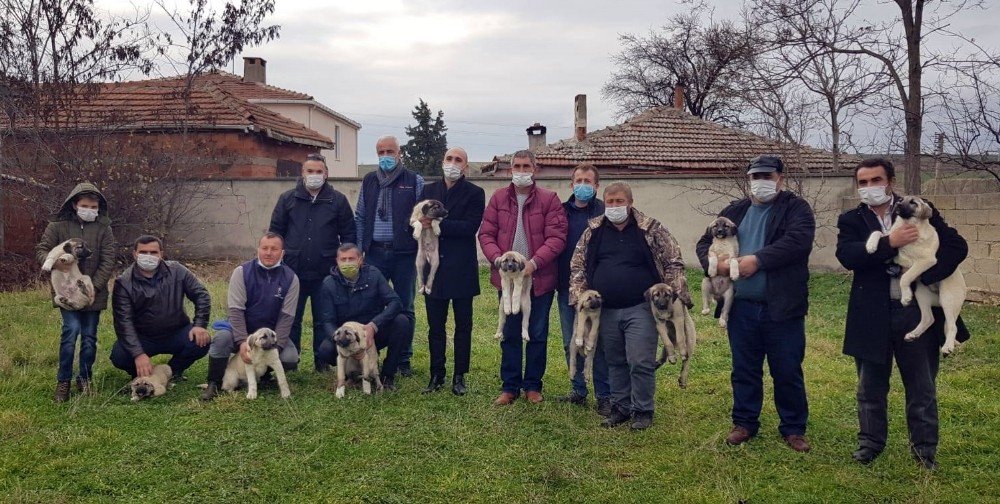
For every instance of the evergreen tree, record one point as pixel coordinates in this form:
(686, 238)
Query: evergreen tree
(428, 141)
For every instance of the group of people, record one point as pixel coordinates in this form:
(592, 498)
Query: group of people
(359, 266)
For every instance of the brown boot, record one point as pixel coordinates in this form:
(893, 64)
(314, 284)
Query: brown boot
(504, 399)
(62, 391)
(738, 435)
(534, 396)
(797, 442)
(83, 386)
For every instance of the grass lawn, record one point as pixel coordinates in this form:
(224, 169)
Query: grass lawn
(408, 447)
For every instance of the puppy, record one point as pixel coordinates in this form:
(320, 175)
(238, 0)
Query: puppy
(427, 240)
(515, 292)
(355, 357)
(720, 288)
(73, 290)
(674, 325)
(263, 345)
(916, 258)
(588, 322)
(154, 385)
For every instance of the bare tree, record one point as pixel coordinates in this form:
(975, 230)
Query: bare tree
(970, 119)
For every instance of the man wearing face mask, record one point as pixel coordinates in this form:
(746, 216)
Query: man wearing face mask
(314, 219)
(83, 214)
(263, 292)
(767, 319)
(382, 217)
(457, 278)
(877, 322)
(529, 220)
(148, 307)
(357, 292)
(582, 206)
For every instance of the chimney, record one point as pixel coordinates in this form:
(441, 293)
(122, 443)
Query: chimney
(580, 117)
(255, 69)
(536, 136)
(679, 96)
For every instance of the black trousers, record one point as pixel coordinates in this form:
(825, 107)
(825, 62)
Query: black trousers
(437, 316)
(918, 367)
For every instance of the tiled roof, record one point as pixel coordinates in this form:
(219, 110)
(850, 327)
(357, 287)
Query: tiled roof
(668, 140)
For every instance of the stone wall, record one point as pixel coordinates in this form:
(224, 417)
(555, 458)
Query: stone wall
(977, 219)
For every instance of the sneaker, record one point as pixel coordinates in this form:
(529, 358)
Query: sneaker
(616, 418)
(604, 407)
(83, 386)
(738, 435)
(62, 392)
(641, 421)
(573, 397)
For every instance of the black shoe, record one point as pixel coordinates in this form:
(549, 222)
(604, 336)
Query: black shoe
(211, 390)
(573, 397)
(616, 418)
(865, 455)
(436, 383)
(405, 370)
(926, 461)
(388, 384)
(458, 385)
(267, 381)
(604, 407)
(290, 367)
(177, 378)
(642, 421)
(321, 367)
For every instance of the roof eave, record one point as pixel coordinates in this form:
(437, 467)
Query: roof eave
(313, 102)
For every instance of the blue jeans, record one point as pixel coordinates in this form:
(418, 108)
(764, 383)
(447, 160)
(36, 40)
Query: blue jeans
(567, 319)
(401, 271)
(752, 337)
(182, 349)
(513, 348)
(84, 324)
(308, 289)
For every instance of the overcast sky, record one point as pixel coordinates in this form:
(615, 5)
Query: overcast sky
(494, 68)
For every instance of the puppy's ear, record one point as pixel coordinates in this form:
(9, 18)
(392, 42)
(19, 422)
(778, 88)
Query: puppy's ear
(68, 246)
(708, 230)
(648, 294)
(521, 265)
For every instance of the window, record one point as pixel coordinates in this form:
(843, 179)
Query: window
(289, 168)
(336, 142)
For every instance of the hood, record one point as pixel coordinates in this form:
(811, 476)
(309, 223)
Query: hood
(66, 211)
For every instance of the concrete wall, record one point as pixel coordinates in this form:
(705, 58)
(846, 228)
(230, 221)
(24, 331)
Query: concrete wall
(977, 219)
(346, 163)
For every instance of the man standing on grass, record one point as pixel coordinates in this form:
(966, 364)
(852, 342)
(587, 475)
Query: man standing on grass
(767, 319)
(877, 322)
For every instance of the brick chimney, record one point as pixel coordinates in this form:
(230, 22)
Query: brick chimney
(536, 136)
(580, 114)
(255, 69)
(679, 96)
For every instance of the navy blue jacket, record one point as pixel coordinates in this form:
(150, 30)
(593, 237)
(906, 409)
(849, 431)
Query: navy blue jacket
(577, 219)
(313, 229)
(458, 274)
(404, 198)
(266, 290)
(785, 256)
(370, 299)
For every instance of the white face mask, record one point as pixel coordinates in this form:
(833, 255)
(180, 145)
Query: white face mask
(275, 265)
(521, 179)
(617, 214)
(87, 214)
(452, 172)
(147, 262)
(874, 195)
(763, 190)
(314, 181)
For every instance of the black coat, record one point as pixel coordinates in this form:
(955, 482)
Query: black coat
(458, 274)
(867, 332)
(313, 229)
(785, 255)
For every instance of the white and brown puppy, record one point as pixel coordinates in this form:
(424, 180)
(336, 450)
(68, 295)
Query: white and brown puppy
(675, 327)
(154, 385)
(263, 345)
(720, 288)
(427, 240)
(918, 257)
(515, 291)
(73, 290)
(588, 323)
(355, 358)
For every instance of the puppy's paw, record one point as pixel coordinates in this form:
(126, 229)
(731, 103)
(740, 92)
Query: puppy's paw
(578, 342)
(723, 323)
(734, 274)
(252, 395)
(427, 289)
(672, 359)
(286, 394)
(872, 244)
(366, 387)
(524, 336)
(682, 383)
(340, 392)
(905, 298)
(705, 311)
(498, 336)
(947, 348)
(910, 336)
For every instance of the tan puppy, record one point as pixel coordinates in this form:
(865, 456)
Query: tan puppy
(918, 257)
(427, 240)
(263, 345)
(355, 357)
(720, 288)
(515, 292)
(584, 342)
(675, 327)
(154, 385)
(73, 290)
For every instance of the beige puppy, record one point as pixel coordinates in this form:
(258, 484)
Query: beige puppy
(427, 240)
(73, 290)
(515, 292)
(720, 288)
(263, 345)
(154, 385)
(918, 257)
(588, 323)
(355, 357)
(675, 327)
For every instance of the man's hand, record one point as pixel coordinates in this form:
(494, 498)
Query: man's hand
(903, 235)
(748, 266)
(722, 268)
(529, 268)
(426, 222)
(143, 367)
(370, 334)
(245, 352)
(200, 336)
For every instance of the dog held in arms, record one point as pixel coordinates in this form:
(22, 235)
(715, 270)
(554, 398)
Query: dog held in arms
(720, 288)
(154, 385)
(588, 322)
(73, 290)
(263, 345)
(916, 258)
(675, 327)
(355, 358)
(427, 240)
(515, 292)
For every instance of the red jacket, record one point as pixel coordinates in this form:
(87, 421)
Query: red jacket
(544, 225)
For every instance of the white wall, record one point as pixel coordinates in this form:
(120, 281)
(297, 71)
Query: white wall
(346, 163)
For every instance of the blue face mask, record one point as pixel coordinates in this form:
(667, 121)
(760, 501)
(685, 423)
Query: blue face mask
(584, 192)
(386, 163)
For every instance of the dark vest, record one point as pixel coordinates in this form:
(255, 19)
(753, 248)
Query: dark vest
(266, 291)
(404, 198)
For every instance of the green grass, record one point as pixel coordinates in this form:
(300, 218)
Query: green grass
(407, 447)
